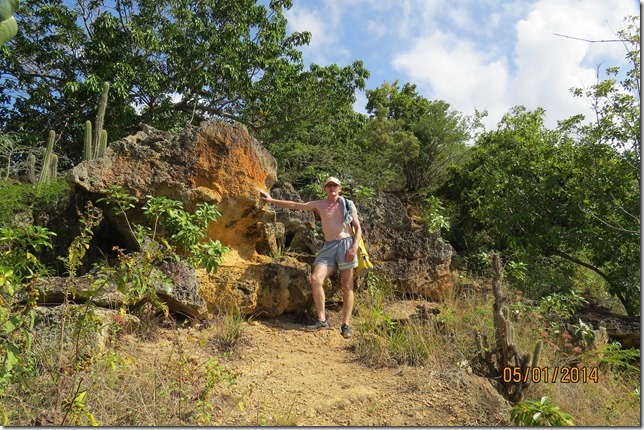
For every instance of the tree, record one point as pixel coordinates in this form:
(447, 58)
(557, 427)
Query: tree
(531, 189)
(440, 132)
(170, 62)
(568, 196)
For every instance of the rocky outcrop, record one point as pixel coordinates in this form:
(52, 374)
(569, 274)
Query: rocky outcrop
(216, 163)
(222, 164)
(417, 263)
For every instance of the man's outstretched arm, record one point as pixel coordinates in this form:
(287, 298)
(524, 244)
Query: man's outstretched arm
(288, 204)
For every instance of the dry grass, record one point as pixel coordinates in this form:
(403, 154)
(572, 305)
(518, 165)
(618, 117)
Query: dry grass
(178, 379)
(447, 341)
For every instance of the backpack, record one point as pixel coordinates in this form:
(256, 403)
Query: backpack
(364, 264)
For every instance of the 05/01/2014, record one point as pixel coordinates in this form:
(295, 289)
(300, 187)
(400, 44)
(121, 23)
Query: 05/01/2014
(564, 375)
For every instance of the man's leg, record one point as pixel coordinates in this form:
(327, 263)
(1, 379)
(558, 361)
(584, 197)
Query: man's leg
(347, 295)
(320, 273)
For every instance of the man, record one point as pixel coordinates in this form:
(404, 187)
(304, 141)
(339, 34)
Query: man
(338, 252)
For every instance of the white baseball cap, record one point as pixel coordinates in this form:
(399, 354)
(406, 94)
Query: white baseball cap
(331, 179)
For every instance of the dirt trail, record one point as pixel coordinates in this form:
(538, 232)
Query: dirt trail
(293, 377)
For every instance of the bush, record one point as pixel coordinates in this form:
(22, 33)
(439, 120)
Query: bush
(540, 413)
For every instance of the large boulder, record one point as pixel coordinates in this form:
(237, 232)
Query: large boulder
(215, 163)
(220, 164)
(416, 262)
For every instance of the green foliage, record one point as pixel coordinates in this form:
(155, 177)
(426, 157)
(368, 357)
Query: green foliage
(562, 306)
(19, 269)
(135, 274)
(584, 332)
(540, 413)
(612, 357)
(216, 376)
(432, 214)
(228, 330)
(527, 187)
(419, 138)
(232, 60)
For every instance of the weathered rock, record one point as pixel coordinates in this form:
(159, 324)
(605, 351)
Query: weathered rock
(221, 164)
(299, 234)
(184, 297)
(78, 290)
(417, 263)
(624, 329)
(215, 163)
(87, 328)
(268, 289)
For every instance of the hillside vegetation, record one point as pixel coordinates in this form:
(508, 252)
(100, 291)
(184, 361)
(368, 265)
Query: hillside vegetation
(559, 207)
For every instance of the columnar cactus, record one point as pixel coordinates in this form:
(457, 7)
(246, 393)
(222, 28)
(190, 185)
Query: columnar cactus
(99, 148)
(31, 160)
(45, 169)
(504, 356)
(96, 142)
(88, 153)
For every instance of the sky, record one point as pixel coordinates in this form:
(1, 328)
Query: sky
(474, 54)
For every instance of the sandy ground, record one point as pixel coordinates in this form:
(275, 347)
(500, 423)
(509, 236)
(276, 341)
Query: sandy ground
(288, 376)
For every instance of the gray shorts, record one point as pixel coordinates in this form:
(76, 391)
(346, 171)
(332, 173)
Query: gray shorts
(333, 254)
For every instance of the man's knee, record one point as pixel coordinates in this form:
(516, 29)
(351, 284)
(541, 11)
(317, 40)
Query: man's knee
(317, 280)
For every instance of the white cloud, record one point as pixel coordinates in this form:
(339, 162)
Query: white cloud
(452, 70)
(539, 72)
(323, 34)
(483, 54)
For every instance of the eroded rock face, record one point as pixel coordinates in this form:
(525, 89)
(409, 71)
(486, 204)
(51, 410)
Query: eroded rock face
(222, 164)
(215, 163)
(417, 263)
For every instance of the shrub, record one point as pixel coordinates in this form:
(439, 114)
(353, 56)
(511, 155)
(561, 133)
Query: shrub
(540, 413)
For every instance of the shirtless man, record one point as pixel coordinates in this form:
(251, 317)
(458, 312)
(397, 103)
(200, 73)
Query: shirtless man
(338, 252)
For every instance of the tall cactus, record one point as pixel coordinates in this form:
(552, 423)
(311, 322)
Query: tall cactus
(99, 149)
(53, 166)
(505, 354)
(45, 169)
(31, 160)
(88, 153)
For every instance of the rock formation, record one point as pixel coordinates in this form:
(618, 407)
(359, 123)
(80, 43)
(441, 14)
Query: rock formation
(417, 263)
(267, 268)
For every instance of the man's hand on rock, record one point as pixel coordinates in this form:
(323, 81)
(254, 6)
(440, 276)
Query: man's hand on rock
(264, 196)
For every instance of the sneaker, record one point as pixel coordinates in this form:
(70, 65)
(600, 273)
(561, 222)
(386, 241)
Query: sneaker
(319, 325)
(345, 331)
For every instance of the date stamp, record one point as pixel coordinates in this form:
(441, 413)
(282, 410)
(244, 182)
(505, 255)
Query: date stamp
(563, 375)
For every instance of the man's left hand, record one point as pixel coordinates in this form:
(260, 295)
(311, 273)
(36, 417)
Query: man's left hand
(351, 254)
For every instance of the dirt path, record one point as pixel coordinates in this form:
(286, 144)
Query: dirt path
(293, 377)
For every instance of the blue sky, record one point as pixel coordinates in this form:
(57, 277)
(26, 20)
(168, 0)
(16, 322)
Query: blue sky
(474, 54)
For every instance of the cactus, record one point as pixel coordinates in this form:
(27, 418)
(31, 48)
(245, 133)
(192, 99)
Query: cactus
(102, 144)
(31, 160)
(100, 117)
(88, 154)
(45, 170)
(535, 354)
(96, 142)
(505, 354)
(53, 166)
